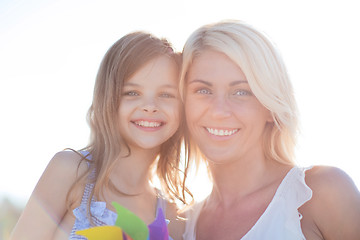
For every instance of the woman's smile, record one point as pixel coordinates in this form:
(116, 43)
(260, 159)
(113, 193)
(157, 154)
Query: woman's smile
(221, 131)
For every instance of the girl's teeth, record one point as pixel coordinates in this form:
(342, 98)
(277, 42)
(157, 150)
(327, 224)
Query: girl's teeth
(222, 132)
(148, 124)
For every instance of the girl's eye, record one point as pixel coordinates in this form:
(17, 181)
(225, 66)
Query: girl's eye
(242, 92)
(167, 95)
(131, 93)
(203, 91)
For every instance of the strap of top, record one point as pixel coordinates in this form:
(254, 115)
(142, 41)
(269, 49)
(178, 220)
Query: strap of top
(88, 186)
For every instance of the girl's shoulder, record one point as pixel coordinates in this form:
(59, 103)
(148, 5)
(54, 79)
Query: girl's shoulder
(63, 170)
(334, 206)
(65, 165)
(47, 208)
(69, 160)
(62, 173)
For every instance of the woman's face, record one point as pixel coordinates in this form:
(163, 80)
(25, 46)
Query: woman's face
(223, 116)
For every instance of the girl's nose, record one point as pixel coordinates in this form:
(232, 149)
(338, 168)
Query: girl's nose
(150, 106)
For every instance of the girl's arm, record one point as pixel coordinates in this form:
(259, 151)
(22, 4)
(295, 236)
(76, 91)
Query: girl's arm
(46, 208)
(335, 206)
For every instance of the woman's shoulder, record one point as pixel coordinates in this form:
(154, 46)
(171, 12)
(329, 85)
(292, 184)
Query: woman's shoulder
(327, 180)
(334, 207)
(331, 186)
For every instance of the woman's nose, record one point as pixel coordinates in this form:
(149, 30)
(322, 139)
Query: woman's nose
(220, 107)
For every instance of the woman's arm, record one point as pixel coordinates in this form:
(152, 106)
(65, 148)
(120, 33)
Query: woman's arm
(44, 212)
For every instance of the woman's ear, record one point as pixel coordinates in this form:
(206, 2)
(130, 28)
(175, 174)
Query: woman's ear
(271, 117)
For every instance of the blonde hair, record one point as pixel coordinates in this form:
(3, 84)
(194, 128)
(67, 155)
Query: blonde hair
(265, 72)
(124, 58)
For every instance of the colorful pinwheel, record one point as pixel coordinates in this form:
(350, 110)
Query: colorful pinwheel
(128, 226)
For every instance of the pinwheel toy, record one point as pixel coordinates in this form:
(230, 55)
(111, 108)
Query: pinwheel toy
(128, 226)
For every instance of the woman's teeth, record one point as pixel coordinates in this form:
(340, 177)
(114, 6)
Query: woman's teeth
(221, 132)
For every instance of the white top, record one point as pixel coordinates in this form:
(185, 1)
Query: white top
(281, 219)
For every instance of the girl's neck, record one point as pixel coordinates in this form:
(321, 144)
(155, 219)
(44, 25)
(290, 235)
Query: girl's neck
(132, 172)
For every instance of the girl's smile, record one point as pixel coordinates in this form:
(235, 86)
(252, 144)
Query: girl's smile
(149, 125)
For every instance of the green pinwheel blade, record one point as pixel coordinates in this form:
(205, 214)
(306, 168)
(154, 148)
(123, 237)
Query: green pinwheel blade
(131, 224)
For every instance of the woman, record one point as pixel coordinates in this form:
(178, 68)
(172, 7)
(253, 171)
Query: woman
(242, 118)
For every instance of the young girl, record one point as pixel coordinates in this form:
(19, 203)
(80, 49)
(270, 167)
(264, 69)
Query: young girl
(135, 120)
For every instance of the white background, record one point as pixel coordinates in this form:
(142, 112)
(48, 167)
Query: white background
(50, 52)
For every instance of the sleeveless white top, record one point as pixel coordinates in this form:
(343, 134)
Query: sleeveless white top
(281, 219)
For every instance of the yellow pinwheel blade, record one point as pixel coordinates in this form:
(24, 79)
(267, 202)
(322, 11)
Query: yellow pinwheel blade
(102, 233)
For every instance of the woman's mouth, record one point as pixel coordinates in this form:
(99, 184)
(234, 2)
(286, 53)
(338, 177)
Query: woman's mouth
(222, 132)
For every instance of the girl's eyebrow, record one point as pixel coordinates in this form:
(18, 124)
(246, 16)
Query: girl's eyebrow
(131, 84)
(139, 85)
(210, 84)
(169, 86)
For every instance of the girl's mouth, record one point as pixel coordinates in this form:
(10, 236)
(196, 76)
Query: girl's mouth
(148, 124)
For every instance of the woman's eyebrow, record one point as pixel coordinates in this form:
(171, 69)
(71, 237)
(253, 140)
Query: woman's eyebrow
(210, 84)
(200, 81)
(237, 82)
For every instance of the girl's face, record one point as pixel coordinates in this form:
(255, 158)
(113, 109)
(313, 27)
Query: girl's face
(224, 118)
(149, 110)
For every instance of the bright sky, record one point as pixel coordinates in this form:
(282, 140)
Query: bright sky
(50, 52)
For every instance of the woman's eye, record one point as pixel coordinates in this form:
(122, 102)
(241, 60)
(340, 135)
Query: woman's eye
(203, 91)
(131, 93)
(242, 92)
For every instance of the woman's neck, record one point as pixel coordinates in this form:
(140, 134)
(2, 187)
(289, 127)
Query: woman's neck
(242, 177)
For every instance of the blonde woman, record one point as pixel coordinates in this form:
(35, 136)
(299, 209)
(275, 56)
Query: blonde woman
(242, 119)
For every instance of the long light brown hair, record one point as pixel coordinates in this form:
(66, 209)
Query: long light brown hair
(124, 58)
